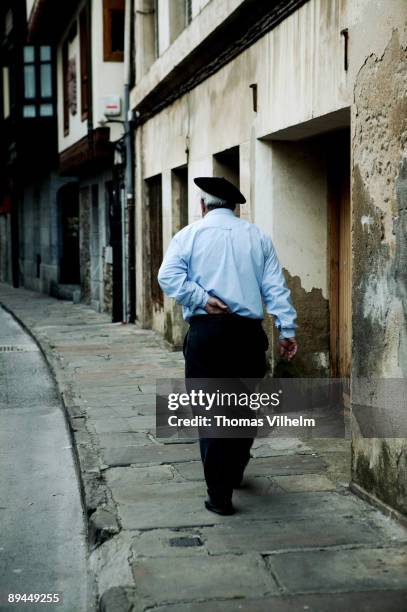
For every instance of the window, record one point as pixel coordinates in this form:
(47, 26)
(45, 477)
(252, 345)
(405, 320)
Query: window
(38, 89)
(84, 50)
(179, 185)
(113, 30)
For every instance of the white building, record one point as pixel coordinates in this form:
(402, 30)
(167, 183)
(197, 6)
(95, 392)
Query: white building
(302, 104)
(88, 39)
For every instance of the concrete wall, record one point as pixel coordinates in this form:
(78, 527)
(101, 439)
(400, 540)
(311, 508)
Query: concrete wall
(211, 15)
(85, 209)
(39, 234)
(163, 25)
(379, 199)
(208, 120)
(291, 205)
(198, 6)
(304, 90)
(108, 77)
(145, 35)
(95, 252)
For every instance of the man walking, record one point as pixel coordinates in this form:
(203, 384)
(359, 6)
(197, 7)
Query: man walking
(222, 269)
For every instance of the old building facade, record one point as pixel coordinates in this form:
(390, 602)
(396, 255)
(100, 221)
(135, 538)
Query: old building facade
(302, 104)
(89, 40)
(28, 154)
(63, 195)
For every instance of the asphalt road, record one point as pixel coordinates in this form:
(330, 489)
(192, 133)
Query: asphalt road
(42, 541)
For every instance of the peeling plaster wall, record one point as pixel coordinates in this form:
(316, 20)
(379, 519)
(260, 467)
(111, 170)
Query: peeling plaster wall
(98, 272)
(291, 204)
(379, 200)
(218, 114)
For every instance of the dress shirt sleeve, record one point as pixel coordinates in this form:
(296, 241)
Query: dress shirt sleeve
(173, 279)
(276, 295)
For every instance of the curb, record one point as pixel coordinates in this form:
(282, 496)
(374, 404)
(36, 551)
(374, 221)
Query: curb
(101, 517)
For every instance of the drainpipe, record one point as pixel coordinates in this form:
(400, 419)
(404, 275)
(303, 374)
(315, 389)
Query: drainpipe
(129, 172)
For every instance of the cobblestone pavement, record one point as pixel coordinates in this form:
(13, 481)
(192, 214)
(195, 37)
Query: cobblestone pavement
(299, 541)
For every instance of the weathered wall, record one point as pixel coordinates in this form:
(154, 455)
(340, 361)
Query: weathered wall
(208, 120)
(291, 205)
(107, 305)
(301, 79)
(84, 243)
(39, 234)
(98, 251)
(5, 249)
(379, 199)
(143, 305)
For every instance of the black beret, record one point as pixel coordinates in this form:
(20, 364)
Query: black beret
(219, 187)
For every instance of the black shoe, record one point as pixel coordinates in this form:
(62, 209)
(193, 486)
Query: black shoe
(237, 481)
(225, 509)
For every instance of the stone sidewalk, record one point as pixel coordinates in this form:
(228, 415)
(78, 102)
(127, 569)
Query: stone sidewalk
(299, 541)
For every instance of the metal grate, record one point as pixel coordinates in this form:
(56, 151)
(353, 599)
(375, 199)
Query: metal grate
(17, 348)
(186, 541)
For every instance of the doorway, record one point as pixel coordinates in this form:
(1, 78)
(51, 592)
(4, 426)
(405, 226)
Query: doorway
(340, 253)
(227, 164)
(113, 205)
(179, 186)
(155, 223)
(69, 262)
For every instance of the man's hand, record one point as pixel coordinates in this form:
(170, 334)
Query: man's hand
(288, 348)
(216, 306)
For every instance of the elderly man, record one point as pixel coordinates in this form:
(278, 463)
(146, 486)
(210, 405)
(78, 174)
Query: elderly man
(222, 269)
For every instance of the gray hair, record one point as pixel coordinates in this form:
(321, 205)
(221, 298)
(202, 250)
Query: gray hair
(210, 200)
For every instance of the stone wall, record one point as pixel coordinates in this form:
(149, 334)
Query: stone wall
(84, 242)
(379, 200)
(107, 286)
(39, 234)
(5, 249)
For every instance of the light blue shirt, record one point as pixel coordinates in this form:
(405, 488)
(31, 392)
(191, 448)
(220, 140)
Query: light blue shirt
(229, 258)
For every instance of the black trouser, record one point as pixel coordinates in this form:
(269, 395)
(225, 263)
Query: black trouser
(227, 347)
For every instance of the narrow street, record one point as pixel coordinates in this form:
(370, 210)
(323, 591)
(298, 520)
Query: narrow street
(42, 543)
(300, 540)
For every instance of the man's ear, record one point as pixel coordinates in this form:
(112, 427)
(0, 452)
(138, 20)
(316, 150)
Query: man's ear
(203, 208)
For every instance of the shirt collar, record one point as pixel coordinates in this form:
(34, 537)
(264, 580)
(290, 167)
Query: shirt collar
(220, 211)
